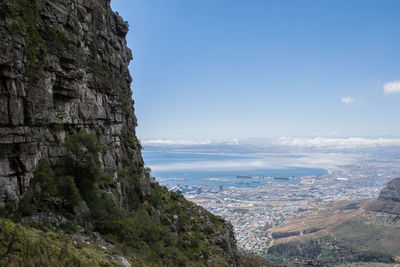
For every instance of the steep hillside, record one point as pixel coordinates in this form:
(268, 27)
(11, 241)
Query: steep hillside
(69, 156)
(365, 231)
(388, 200)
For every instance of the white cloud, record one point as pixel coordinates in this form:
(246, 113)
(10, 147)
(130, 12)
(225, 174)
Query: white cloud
(348, 100)
(189, 142)
(214, 165)
(264, 161)
(340, 143)
(171, 142)
(392, 87)
(329, 142)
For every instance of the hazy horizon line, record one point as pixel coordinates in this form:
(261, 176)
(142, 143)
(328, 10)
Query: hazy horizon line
(318, 141)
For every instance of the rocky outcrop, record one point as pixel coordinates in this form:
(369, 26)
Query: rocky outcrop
(388, 200)
(391, 192)
(63, 67)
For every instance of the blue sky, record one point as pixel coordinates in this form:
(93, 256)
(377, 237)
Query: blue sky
(221, 69)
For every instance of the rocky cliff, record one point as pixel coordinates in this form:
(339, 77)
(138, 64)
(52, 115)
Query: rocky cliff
(63, 67)
(388, 200)
(64, 71)
(391, 192)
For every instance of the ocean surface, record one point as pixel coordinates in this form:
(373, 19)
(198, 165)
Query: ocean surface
(228, 170)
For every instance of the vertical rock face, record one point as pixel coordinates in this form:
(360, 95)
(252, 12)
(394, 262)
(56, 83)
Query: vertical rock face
(63, 66)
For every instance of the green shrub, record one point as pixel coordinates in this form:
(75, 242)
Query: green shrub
(103, 210)
(26, 206)
(68, 191)
(83, 161)
(106, 180)
(70, 227)
(156, 196)
(10, 207)
(50, 191)
(44, 176)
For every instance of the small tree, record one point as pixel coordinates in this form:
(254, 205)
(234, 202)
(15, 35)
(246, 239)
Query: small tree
(68, 191)
(44, 176)
(83, 161)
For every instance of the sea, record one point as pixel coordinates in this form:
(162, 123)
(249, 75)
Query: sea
(220, 169)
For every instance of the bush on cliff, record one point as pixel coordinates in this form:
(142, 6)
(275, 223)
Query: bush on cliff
(83, 162)
(44, 177)
(68, 192)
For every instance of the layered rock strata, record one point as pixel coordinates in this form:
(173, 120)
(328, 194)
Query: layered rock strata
(63, 67)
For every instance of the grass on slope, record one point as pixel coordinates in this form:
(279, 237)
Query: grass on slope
(369, 237)
(26, 246)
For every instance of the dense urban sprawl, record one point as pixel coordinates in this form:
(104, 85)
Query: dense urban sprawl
(253, 210)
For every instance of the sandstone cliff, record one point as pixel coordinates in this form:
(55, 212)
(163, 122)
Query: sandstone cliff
(64, 70)
(64, 66)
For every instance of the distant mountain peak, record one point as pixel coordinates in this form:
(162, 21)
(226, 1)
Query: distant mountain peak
(391, 192)
(389, 199)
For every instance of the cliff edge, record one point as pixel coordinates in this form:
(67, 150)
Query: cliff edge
(69, 154)
(63, 67)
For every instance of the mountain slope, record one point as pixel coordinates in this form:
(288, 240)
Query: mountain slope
(388, 200)
(345, 231)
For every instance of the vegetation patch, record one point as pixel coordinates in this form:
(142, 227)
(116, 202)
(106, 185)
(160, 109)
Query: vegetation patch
(40, 38)
(26, 246)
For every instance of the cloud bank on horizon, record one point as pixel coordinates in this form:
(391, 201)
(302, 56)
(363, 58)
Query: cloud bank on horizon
(310, 160)
(315, 142)
(340, 143)
(176, 142)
